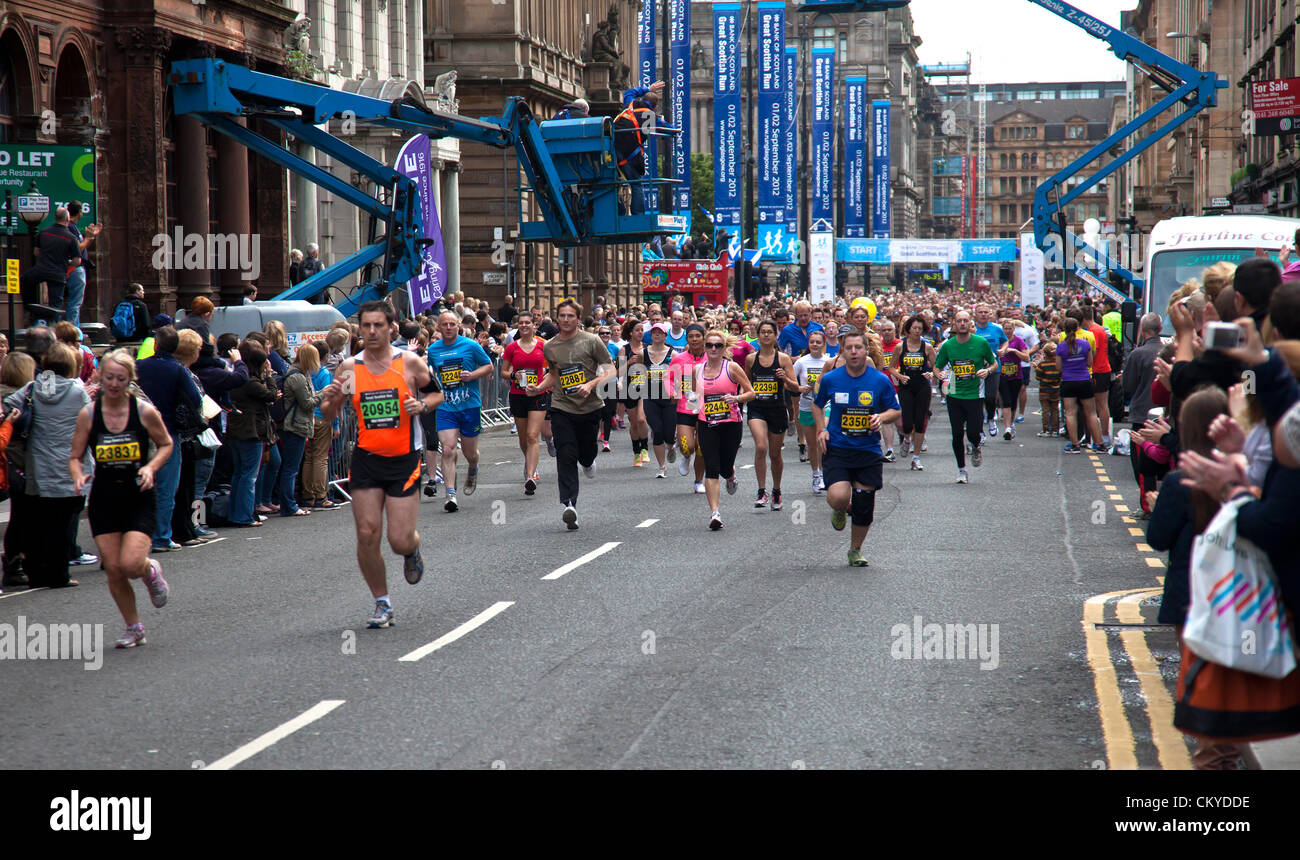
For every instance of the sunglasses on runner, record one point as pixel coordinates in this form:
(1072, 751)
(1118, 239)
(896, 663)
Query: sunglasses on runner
(714, 345)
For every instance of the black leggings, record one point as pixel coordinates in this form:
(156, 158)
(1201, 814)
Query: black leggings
(718, 446)
(914, 398)
(990, 396)
(964, 414)
(661, 415)
(607, 417)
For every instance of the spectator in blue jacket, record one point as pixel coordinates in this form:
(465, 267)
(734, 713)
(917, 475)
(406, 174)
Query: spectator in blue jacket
(166, 382)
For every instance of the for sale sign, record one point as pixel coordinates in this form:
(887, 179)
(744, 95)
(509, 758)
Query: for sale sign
(1275, 106)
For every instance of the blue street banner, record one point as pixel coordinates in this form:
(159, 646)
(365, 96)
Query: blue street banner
(881, 192)
(770, 65)
(943, 251)
(415, 161)
(647, 66)
(855, 156)
(645, 41)
(823, 134)
(679, 54)
(790, 154)
(726, 118)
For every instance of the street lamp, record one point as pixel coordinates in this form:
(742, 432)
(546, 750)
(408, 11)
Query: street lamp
(33, 206)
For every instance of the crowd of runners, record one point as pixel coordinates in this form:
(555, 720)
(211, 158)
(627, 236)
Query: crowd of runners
(851, 385)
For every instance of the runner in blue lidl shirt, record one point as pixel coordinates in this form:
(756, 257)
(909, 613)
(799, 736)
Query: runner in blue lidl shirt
(458, 363)
(861, 400)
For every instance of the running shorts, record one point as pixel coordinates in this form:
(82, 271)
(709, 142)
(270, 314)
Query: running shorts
(846, 464)
(467, 421)
(687, 419)
(806, 419)
(775, 416)
(1009, 388)
(522, 404)
(1101, 383)
(1024, 375)
(1079, 389)
(396, 476)
(429, 424)
(123, 508)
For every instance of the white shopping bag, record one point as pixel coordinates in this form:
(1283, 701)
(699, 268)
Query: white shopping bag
(1236, 617)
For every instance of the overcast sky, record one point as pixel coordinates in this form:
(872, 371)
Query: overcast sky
(1016, 40)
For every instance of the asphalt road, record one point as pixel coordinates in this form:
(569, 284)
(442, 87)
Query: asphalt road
(755, 647)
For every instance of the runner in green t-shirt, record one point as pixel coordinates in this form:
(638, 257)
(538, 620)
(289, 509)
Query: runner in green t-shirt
(971, 359)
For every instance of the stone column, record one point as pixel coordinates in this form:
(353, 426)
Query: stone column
(234, 218)
(450, 212)
(138, 107)
(306, 205)
(192, 279)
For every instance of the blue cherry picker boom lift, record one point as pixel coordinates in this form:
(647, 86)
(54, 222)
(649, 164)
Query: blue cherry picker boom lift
(1187, 90)
(570, 166)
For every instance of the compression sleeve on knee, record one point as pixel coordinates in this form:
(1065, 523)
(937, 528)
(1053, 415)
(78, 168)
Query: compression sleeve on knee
(863, 507)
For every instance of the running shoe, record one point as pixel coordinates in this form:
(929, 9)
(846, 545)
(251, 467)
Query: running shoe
(715, 522)
(1072, 449)
(133, 636)
(732, 485)
(570, 517)
(87, 558)
(856, 559)
(604, 446)
(431, 489)
(156, 585)
(776, 500)
(1045, 434)
(889, 455)
(550, 447)
(204, 533)
(636, 460)
(1009, 433)
(789, 429)
(838, 520)
(761, 500)
(684, 467)
(413, 566)
(1020, 419)
(817, 485)
(905, 448)
(803, 453)
(530, 487)
(672, 453)
(977, 457)
(916, 464)
(663, 472)
(451, 507)
(383, 616)
(471, 481)
(170, 546)
(925, 447)
(590, 471)
(962, 477)
(699, 488)
(514, 431)
(993, 428)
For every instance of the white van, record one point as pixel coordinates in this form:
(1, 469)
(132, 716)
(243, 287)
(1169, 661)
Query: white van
(1180, 249)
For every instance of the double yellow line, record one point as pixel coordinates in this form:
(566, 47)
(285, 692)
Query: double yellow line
(1117, 731)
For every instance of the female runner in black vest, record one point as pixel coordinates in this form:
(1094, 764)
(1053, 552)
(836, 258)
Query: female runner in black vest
(117, 428)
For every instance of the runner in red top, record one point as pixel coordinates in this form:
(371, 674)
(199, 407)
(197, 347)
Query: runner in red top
(524, 361)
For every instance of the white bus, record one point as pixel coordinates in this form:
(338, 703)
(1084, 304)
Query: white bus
(1180, 249)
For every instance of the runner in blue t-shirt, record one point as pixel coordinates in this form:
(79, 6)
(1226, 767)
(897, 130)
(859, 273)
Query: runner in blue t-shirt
(458, 363)
(988, 328)
(861, 400)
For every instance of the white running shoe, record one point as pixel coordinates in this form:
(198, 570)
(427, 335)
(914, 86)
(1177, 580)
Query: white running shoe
(684, 467)
(699, 488)
(590, 471)
(962, 477)
(570, 517)
(916, 465)
(663, 472)
(715, 522)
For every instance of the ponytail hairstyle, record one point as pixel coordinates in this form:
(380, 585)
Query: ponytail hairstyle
(1071, 330)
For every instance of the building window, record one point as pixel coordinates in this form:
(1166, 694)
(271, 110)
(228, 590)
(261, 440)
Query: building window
(1024, 160)
(1075, 132)
(1002, 161)
(1088, 94)
(823, 34)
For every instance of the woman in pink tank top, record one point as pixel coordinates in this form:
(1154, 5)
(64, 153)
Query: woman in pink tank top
(721, 386)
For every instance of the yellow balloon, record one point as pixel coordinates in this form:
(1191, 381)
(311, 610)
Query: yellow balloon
(864, 302)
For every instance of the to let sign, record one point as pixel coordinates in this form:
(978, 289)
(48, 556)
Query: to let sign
(1276, 106)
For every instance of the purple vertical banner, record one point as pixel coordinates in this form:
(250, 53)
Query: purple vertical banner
(823, 134)
(770, 65)
(726, 118)
(414, 161)
(790, 155)
(855, 157)
(881, 192)
(679, 54)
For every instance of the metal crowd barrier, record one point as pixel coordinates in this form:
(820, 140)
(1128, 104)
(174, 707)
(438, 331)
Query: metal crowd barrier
(340, 462)
(495, 393)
